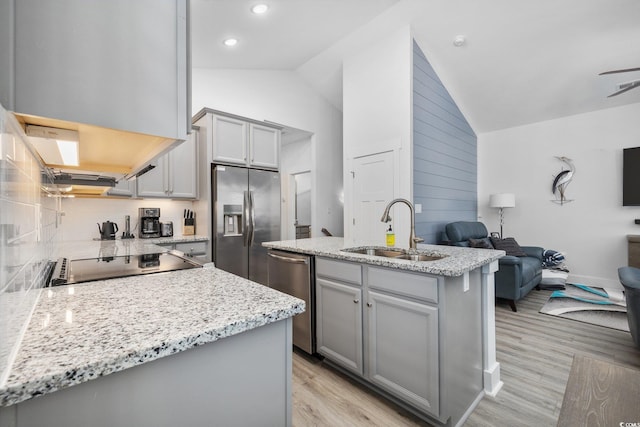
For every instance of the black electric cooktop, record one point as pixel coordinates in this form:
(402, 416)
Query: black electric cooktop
(67, 272)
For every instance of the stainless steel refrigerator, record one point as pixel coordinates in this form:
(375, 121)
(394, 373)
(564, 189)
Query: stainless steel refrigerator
(246, 212)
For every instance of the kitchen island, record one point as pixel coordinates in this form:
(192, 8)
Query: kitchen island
(191, 347)
(420, 332)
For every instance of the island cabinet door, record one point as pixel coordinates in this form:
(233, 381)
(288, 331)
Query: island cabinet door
(339, 324)
(403, 349)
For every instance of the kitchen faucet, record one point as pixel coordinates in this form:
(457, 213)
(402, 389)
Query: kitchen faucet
(386, 218)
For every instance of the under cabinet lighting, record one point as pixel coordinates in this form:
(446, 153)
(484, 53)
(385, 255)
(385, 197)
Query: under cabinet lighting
(55, 146)
(69, 152)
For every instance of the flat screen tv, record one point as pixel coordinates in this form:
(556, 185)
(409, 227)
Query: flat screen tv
(631, 177)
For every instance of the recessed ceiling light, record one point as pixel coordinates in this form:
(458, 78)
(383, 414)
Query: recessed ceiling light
(459, 40)
(259, 9)
(230, 42)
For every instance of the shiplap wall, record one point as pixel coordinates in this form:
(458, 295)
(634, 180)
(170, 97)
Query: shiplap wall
(444, 155)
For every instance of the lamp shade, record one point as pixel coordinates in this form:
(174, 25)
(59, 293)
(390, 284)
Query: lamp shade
(502, 200)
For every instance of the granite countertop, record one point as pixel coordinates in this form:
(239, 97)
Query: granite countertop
(176, 239)
(85, 331)
(457, 260)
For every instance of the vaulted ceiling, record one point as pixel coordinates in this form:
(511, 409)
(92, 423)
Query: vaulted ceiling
(521, 62)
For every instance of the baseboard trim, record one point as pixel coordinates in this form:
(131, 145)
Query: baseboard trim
(469, 410)
(492, 382)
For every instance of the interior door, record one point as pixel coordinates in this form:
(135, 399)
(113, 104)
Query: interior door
(264, 192)
(372, 190)
(230, 252)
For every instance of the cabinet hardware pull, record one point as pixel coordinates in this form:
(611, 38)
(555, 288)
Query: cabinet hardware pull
(369, 304)
(356, 301)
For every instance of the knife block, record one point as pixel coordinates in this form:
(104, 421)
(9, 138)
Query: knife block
(189, 227)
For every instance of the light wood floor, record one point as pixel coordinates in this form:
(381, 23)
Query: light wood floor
(535, 352)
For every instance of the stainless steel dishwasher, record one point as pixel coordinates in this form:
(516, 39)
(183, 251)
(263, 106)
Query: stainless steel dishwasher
(293, 274)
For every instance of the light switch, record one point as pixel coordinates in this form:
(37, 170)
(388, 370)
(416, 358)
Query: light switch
(418, 207)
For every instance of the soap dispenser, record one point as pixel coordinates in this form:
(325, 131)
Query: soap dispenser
(391, 237)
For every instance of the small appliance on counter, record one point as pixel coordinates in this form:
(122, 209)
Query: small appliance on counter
(149, 223)
(166, 229)
(189, 225)
(108, 230)
(126, 234)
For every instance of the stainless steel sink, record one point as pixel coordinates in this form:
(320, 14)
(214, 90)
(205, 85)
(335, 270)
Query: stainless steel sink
(394, 253)
(387, 253)
(420, 257)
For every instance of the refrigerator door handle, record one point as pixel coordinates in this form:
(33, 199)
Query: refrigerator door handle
(253, 218)
(246, 229)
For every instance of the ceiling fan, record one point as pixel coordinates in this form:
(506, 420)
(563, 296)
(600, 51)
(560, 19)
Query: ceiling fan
(623, 87)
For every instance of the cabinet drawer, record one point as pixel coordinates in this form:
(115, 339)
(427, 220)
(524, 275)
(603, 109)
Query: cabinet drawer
(409, 284)
(339, 270)
(192, 248)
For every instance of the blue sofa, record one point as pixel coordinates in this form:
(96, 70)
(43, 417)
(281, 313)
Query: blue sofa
(516, 276)
(630, 279)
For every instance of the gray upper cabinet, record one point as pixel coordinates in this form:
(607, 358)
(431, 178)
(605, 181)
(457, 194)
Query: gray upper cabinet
(242, 142)
(264, 146)
(229, 143)
(117, 64)
(175, 175)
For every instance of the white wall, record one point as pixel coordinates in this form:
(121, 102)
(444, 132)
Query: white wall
(283, 97)
(81, 215)
(592, 229)
(378, 117)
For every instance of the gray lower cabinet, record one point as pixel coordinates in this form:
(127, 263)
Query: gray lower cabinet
(403, 349)
(339, 313)
(241, 380)
(339, 327)
(391, 337)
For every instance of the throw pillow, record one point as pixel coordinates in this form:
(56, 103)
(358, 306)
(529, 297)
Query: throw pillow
(509, 245)
(481, 243)
(551, 258)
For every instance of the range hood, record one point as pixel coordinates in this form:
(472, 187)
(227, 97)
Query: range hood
(104, 156)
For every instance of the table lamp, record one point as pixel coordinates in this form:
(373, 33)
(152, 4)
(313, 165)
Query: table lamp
(501, 201)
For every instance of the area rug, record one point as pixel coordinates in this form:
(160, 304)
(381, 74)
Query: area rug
(598, 306)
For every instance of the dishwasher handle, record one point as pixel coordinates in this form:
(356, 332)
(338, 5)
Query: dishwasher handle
(291, 260)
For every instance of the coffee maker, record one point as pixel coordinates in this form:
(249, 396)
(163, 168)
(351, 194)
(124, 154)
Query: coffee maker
(149, 222)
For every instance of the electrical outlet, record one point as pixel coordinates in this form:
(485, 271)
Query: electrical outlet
(418, 207)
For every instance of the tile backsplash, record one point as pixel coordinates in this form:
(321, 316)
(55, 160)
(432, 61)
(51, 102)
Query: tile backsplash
(28, 234)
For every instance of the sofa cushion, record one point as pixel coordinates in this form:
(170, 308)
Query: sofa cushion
(462, 231)
(481, 243)
(531, 267)
(509, 245)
